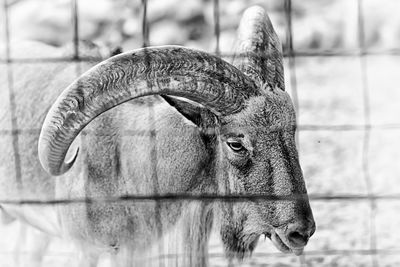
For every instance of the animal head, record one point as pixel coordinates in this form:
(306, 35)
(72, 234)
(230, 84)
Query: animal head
(244, 103)
(260, 159)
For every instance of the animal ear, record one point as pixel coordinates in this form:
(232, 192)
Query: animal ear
(197, 114)
(258, 51)
(115, 51)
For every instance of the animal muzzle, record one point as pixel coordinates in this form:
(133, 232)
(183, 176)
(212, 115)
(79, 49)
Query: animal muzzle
(292, 237)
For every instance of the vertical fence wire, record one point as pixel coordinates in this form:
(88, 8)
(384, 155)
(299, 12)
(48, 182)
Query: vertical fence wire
(153, 135)
(293, 78)
(76, 56)
(367, 130)
(145, 25)
(12, 103)
(217, 31)
(75, 29)
(292, 61)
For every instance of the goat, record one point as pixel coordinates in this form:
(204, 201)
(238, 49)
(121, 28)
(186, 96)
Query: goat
(212, 128)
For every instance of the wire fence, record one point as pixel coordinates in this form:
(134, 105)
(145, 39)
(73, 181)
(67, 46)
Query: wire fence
(291, 54)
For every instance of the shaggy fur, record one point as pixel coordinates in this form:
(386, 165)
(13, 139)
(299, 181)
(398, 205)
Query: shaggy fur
(159, 145)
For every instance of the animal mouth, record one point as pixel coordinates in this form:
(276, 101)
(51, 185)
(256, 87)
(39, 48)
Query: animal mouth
(282, 246)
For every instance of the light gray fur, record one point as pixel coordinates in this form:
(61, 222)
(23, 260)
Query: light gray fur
(146, 146)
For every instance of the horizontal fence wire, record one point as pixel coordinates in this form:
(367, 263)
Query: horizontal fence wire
(296, 53)
(206, 198)
(291, 53)
(300, 127)
(327, 252)
(367, 132)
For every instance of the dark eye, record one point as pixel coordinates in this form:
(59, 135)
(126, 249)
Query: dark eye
(236, 146)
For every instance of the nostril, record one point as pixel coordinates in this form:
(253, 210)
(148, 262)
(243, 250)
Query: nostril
(297, 238)
(312, 230)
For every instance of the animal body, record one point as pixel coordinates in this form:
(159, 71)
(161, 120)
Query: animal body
(158, 121)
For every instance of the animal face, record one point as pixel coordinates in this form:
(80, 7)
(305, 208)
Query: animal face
(259, 156)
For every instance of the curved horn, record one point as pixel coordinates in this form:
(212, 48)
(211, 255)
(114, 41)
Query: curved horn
(169, 70)
(258, 51)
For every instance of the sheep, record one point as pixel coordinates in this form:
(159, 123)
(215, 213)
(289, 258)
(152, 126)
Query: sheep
(158, 121)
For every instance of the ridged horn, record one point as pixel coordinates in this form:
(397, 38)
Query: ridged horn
(258, 51)
(168, 70)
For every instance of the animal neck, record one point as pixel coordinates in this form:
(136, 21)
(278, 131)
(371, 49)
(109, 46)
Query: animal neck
(186, 243)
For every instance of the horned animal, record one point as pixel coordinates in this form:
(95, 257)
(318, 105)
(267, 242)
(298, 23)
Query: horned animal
(158, 121)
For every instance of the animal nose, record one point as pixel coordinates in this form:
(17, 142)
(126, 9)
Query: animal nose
(298, 239)
(298, 234)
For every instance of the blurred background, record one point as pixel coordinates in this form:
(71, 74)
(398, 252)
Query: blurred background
(342, 70)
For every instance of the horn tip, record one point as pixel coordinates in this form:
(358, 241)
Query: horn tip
(49, 164)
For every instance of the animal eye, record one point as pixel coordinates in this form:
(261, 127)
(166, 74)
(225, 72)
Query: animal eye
(236, 146)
